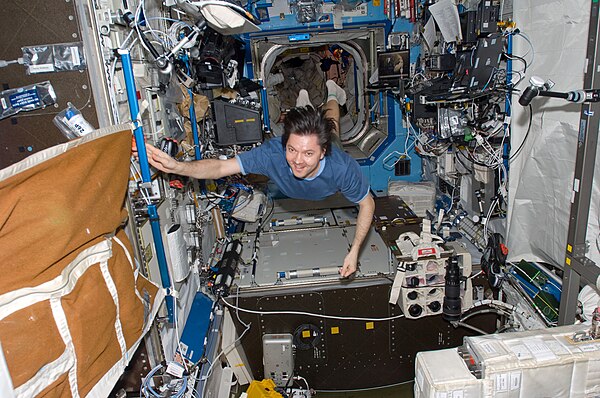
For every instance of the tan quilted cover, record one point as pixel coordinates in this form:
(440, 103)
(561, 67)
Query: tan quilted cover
(52, 207)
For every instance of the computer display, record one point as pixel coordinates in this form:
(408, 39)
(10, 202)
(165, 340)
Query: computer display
(394, 64)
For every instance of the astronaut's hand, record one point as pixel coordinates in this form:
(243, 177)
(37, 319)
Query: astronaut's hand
(162, 161)
(350, 265)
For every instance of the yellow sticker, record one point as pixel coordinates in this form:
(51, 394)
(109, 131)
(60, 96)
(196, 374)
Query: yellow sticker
(376, 3)
(370, 325)
(335, 330)
(569, 248)
(306, 334)
(568, 261)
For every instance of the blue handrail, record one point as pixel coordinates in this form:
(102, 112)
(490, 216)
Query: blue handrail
(138, 133)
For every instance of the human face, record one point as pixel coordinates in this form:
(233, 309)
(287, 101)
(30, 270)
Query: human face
(303, 153)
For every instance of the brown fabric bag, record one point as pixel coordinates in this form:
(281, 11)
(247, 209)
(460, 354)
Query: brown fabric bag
(72, 306)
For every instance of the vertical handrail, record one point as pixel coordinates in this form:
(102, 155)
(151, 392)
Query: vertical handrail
(194, 122)
(265, 106)
(507, 101)
(193, 119)
(138, 134)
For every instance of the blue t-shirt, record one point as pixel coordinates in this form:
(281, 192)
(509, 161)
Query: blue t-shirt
(338, 172)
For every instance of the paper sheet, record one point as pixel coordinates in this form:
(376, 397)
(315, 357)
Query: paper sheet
(446, 16)
(429, 33)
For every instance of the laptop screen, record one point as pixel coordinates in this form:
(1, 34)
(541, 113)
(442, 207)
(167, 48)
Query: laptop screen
(394, 64)
(475, 69)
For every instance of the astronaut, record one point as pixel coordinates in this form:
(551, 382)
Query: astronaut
(303, 163)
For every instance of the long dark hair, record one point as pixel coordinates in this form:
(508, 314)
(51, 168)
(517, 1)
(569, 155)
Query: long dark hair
(308, 121)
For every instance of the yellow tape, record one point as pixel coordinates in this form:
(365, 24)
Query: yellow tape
(370, 325)
(335, 330)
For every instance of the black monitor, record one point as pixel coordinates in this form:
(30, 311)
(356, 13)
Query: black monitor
(394, 64)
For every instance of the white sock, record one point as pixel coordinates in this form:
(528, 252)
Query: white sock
(335, 92)
(303, 99)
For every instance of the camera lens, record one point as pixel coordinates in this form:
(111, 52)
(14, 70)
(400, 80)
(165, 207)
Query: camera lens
(415, 310)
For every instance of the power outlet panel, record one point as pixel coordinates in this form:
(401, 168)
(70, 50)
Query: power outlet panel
(278, 358)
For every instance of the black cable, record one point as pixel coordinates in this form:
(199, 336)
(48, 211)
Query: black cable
(266, 219)
(149, 45)
(518, 59)
(522, 72)
(524, 138)
(287, 383)
(464, 165)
